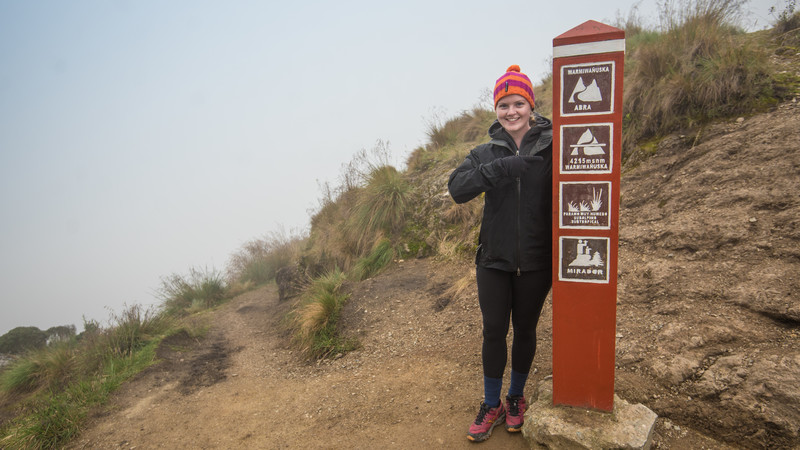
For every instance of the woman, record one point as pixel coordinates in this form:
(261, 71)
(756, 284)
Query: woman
(514, 253)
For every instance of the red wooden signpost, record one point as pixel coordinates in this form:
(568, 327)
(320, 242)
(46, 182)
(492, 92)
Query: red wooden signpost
(587, 132)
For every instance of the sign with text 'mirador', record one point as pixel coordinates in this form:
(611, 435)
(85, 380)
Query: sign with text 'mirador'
(587, 123)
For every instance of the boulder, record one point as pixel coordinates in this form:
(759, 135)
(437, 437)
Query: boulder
(564, 427)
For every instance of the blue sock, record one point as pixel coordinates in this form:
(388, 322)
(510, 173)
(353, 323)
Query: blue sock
(517, 383)
(491, 391)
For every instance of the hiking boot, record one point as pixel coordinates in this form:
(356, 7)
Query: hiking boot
(515, 412)
(487, 419)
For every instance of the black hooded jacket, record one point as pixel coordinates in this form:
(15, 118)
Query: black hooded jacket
(516, 231)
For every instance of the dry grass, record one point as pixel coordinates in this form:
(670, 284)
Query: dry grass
(700, 67)
(469, 126)
(257, 261)
(464, 214)
(544, 94)
(461, 287)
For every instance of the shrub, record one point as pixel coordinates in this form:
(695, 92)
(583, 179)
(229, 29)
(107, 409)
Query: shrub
(127, 332)
(258, 260)
(60, 333)
(787, 24)
(204, 287)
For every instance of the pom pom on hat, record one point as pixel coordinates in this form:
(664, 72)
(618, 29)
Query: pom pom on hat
(514, 82)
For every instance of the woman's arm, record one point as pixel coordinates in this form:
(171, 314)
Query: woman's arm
(473, 177)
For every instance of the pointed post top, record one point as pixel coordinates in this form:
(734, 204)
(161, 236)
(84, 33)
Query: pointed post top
(589, 31)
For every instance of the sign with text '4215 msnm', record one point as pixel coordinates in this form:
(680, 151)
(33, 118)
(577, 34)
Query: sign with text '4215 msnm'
(587, 148)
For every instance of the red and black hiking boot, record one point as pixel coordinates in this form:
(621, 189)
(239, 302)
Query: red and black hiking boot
(487, 419)
(515, 412)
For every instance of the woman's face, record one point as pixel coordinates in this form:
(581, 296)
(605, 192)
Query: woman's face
(514, 113)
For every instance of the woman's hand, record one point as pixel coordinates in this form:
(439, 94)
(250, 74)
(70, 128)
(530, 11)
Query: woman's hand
(515, 166)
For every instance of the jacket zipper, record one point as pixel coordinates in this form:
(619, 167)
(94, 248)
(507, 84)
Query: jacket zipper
(519, 203)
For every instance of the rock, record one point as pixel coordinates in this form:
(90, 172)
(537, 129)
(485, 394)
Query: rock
(676, 370)
(763, 387)
(726, 372)
(563, 427)
(5, 360)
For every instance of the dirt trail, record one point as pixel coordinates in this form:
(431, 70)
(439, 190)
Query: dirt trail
(415, 383)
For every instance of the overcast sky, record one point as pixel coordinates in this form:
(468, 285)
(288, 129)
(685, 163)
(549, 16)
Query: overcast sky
(142, 138)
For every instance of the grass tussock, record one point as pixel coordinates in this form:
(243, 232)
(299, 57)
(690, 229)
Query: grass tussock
(48, 367)
(54, 417)
(314, 321)
(381, 255)
(469, 126)
(381, 204)
(543, 93)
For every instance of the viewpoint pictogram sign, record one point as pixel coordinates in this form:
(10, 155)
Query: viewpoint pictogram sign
(588, 64)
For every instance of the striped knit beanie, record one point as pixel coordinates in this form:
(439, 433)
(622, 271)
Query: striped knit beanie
(513, 82)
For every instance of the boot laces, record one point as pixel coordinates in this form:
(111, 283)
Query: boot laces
(482, 413)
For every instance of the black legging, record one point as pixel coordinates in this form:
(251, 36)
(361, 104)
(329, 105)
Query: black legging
(503, 295)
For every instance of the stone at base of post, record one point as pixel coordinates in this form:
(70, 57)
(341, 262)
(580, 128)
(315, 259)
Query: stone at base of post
(566, 427)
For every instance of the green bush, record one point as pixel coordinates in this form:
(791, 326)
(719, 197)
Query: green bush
(178, 292)
(21, 339)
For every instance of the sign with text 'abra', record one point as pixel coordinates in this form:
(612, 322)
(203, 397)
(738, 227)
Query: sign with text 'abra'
(588, 62)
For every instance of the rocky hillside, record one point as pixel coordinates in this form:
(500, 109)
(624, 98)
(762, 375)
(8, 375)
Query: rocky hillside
(709, 292)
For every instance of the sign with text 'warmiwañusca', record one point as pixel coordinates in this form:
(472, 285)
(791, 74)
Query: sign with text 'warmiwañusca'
(588, 63)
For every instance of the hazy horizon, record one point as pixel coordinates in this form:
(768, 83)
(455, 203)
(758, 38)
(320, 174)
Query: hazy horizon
(141, 139)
